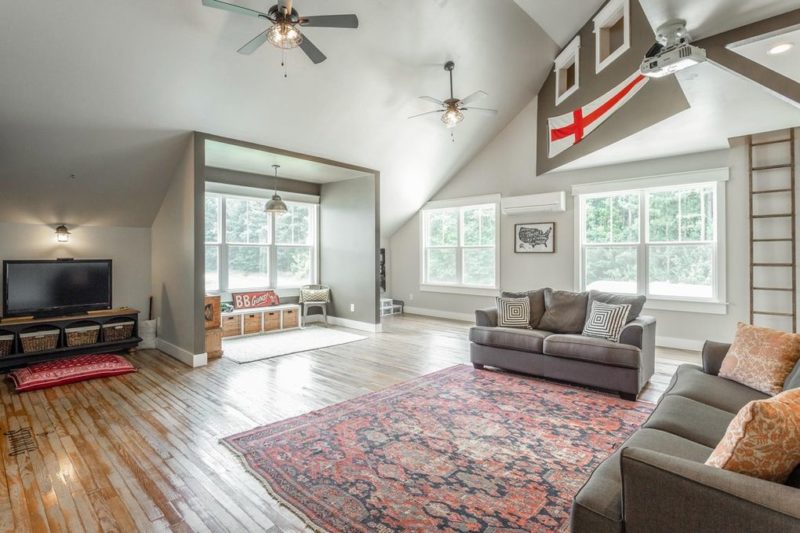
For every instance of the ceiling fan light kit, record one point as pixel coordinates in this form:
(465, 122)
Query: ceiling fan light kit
(284, 35)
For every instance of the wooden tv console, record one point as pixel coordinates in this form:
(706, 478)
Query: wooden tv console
(17, 326)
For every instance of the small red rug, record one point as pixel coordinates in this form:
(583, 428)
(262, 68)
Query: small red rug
(69, 370)
(458, 450)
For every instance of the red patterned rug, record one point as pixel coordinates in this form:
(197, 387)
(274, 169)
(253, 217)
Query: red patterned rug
(458, 450)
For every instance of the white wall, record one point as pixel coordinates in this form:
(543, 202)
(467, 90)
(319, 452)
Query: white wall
(128, 248)
(507, 166)
(173, 265)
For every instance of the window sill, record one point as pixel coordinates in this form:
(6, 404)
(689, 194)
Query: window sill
(458, 289)
(687, 306)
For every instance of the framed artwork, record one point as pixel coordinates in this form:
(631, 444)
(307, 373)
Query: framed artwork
(535, 238)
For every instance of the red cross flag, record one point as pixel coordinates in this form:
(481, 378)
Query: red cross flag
(570, 129)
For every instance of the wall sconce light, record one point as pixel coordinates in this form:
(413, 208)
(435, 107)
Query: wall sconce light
(62, 234)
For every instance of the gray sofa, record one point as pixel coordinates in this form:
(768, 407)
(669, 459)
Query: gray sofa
(624, 367)
(657, 482)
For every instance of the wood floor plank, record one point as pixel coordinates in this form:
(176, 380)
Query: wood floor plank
(141, 452)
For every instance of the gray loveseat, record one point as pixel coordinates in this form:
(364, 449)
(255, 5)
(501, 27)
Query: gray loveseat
(657, 482)
(555, 349)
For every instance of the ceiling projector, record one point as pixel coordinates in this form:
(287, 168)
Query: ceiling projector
(672, 52)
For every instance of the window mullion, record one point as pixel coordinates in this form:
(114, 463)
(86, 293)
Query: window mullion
(643, 257)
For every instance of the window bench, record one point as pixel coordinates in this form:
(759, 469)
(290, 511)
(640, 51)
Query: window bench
(260, 320)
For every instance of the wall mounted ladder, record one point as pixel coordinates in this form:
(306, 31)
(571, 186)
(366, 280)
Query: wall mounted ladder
(770, 183)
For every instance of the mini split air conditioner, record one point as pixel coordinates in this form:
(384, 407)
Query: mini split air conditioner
(550, 202)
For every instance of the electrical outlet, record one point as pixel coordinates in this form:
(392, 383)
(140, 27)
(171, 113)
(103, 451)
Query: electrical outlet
(352, 308)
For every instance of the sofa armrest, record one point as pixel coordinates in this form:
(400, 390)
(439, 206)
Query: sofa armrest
(634, 332)
(713, 354)
(486, 317)
(663, 493)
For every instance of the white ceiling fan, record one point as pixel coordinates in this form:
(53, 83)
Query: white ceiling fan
(452, 109)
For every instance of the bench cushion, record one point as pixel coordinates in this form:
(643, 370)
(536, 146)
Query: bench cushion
(593, 350)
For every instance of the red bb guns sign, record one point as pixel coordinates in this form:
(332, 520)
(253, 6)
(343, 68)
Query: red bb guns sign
(253, 300)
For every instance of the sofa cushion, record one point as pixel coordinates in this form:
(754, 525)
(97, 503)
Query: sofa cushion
(524, 340)
(514, 312)
(593, 350)
(636, 302)
(565, 311)
(763, 440)
(602, 493)
(690, 419)
(605, 321)
(761, 358)
(691, 382)
(537, 303)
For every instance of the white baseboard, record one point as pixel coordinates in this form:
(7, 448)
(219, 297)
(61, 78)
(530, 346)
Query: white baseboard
(184, 356)
(436, 313)
(679, 344)
(345, 323)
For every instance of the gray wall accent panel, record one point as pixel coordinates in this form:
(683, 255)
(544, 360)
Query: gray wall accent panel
(658, 100)
(349, 247)
(259, 181)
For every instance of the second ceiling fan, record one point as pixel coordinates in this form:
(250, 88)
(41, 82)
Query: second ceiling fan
(284, 30)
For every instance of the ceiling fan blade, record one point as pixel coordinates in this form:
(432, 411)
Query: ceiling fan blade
(313, 53)
(481, 109)
(330, 21)
(426, 113)
(234, 8)
(432, 100)
(254, 44)
(477, 95)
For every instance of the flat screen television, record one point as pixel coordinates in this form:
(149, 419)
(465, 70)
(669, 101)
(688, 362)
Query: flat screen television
(55, 288)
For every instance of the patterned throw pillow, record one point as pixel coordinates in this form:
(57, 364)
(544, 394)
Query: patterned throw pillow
(763, 440)
(514, 312)
(606, 321)
(315, 295)
(761, 358)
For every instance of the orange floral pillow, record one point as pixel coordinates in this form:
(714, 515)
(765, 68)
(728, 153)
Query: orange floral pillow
(761, 358)
(763, 440)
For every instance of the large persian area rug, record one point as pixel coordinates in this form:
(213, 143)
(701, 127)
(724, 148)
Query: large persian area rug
(458, 450)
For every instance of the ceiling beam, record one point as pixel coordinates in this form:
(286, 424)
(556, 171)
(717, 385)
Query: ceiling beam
(719, 49)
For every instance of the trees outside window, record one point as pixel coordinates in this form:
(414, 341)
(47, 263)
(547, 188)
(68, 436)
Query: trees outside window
(248, 248)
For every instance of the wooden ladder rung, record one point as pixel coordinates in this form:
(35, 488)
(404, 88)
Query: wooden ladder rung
(764, 143)
(773, 240)
(772, 167)
(779, 289)
(777, 215)
(773, 264)
(771, 191)
(772, 313)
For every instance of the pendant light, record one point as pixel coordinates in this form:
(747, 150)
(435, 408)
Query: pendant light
(62, 234)
(276, 205)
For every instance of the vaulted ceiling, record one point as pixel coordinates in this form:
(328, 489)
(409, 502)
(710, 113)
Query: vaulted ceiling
(109, 91)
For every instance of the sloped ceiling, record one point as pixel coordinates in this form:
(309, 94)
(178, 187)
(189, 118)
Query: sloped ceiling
(559, 18)
(108, 91)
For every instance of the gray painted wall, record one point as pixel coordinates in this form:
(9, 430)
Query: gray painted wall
(349, 247)
(173, 259)
(128, 248)
(507, 166)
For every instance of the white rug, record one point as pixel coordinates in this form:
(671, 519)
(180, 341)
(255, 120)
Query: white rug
(257, 347)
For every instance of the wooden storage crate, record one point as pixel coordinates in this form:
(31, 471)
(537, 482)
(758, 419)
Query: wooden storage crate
(272, 320)
(39, 341)
(290, 318)
(214, 343)
(6, 344)
(252, 323)
(231, 325)
(211, 312)
(117, 331)
(82, 336)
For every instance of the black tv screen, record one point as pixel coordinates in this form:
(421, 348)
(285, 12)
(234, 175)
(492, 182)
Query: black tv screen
(52, 288)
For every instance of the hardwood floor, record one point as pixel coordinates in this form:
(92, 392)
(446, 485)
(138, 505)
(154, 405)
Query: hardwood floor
(141, 452)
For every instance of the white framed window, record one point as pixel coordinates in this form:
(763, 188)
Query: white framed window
(612, 32)
(459, 241)
(250, 249)
(662, 237)
(567, 69)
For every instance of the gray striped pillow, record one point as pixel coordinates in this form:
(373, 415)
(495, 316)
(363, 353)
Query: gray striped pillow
(606, 321)
(514, 312)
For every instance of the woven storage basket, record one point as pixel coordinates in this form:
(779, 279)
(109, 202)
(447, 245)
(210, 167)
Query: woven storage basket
(6, 343)
(39, 341)
(82, 336)
(117, 331)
